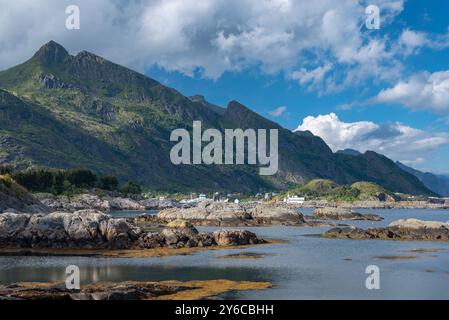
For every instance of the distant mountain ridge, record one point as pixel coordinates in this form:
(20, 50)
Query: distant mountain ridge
(64, 111)
(437, 183)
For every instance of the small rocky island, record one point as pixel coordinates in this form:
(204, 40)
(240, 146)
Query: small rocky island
(92, 229)
(335, 213)
(228, 214)
(406, 230)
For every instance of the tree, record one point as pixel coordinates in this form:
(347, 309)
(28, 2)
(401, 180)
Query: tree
(108, 183)
(131, 187)
(81, 178)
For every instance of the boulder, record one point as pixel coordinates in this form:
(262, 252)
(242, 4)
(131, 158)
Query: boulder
(86, 225)
(180, 233)
(120, 233)
(235, 237)
(265, 214)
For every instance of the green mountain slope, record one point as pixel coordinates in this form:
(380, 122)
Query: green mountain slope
(64, 111)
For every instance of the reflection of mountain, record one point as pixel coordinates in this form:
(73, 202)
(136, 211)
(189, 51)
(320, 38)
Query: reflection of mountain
(60, 110)
(437, 183)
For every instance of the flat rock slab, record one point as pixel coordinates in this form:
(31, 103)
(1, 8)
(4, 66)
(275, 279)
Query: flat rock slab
(406, 230)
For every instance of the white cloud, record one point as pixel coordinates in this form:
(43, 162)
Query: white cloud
(212, 36)
(424, 91)
(312, 77)
(411, 41)
(397, 141)
(278, 111)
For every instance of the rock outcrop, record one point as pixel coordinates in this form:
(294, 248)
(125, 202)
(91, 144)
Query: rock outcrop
(104, 203)
(228, 214)
(78, 202)
(264, 214)
(91, 229)
(407, 230)
(81, 229)
(343, 214)
(119, 203)
(235, 237)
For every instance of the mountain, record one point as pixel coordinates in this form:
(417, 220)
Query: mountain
(437, 183)
(61, 110)
(350, 152)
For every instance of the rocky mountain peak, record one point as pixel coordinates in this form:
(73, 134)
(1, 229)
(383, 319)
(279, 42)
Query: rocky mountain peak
(51, 53)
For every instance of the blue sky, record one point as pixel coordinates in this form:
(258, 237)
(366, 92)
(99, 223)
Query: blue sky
(311, 65)
(264, 93)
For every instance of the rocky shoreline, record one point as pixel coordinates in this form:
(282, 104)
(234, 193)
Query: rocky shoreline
(371, 204)
(227, 215)
(48, 202)
(91, 229)
(405, 230)
(104, 203)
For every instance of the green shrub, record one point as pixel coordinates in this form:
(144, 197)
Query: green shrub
(131, 187)
(109, 183)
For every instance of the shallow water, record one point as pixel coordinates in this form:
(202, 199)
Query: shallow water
(306, 267)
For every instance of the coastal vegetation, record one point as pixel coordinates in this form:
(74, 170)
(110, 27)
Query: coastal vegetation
(323, 189)
(66, 181)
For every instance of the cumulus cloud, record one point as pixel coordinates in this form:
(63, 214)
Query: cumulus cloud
(424, 91)
(278, 111)
(211, 37)
(395, 140)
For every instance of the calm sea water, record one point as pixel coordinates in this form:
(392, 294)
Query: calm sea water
(307, 267)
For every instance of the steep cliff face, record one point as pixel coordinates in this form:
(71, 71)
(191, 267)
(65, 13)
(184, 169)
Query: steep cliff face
(60, 110)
